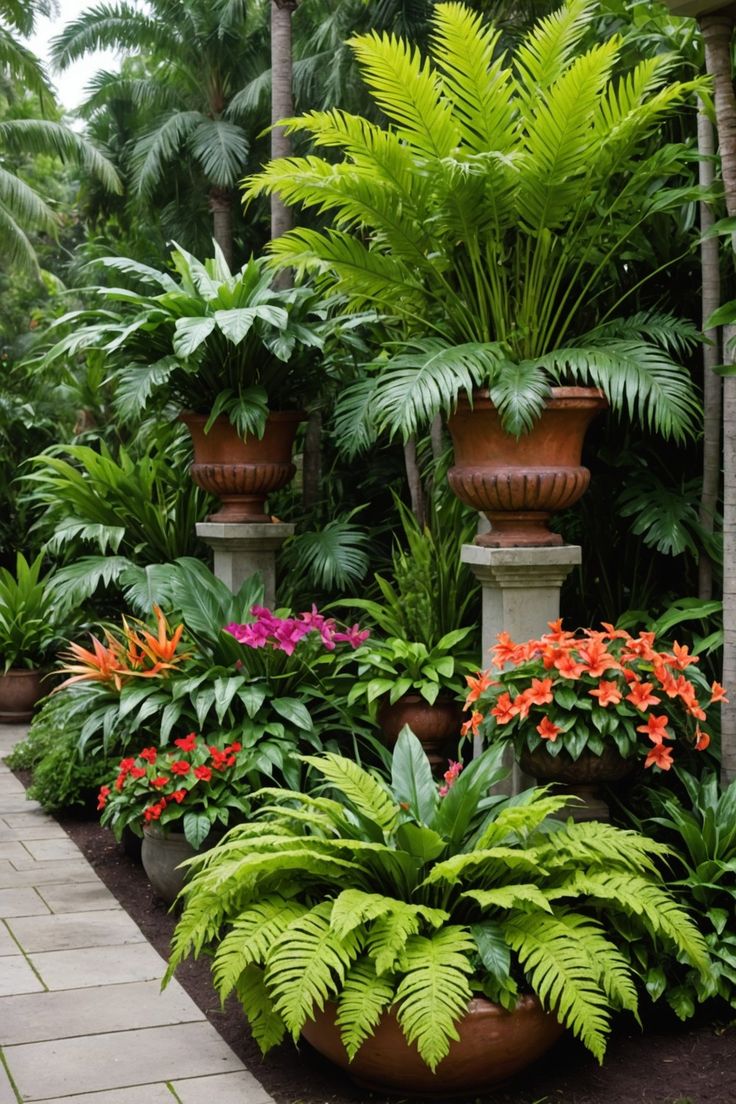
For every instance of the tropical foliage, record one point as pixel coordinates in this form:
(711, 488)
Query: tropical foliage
(485, 220)
(384, 895)
(31, 624)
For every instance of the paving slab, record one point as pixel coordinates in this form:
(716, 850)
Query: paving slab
(17, 802)
(44, 873)
(92, 966)
(42, 1071)
(50, 849)
(10, 784)
(13, 851)
(142, 1094)
(73, 930)
(16, 976)
(84, 897)
(8, 946)
(224, 1088)
(37, 1017)
(21, 902)
(7, 1096)
(42, 829)
(28, 819)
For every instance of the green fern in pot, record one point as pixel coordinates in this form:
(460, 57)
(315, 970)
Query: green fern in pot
(407, 903)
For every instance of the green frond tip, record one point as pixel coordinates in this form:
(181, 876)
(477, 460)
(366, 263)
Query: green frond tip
(365, 996)
(433, 995)
(250, 938)
(364, 792)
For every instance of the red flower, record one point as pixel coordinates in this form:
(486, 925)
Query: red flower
(655, 728)
(234, 746)
(547, 729)
(149, 754)
(187, 743)
(178, 796)
(153, 812)
(159, 782)
(608, 693)
(102, 797)
(137, 772)
(661, 756)
(126, 765)
(203, 773)
(180, 766)
(641, 695)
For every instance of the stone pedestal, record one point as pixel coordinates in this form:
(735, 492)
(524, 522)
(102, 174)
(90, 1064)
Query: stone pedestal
(520, 595)
(241, 549)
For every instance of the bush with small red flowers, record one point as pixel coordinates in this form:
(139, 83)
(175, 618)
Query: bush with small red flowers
(196, 782)
(592, 689)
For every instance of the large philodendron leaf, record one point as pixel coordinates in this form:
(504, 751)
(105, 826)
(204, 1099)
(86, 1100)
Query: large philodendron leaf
(411, 778)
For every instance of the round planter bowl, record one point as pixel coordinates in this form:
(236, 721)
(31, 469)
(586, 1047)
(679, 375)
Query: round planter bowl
(494, 1045)
(242, 473)
(519, 484)
(20, 689)
(437, 726)
(582, 776)
(161, 853)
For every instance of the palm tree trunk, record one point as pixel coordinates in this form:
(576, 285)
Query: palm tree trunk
(711, 277)
(282, 102)
(221, 206)
(717, 34)
(414, 479)
(312, 461)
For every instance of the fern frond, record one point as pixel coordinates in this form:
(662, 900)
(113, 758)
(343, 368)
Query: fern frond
(354, 907)
(493, 864)
(308, 964)
(265, 1023)
(520, 820)
(249, 939)
(434, 993)
(594, 843)
(364, 791)
(363, 999)
(522, 896)
(558, 967)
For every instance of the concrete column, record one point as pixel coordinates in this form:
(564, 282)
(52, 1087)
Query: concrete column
(520, 595)
(241, 549)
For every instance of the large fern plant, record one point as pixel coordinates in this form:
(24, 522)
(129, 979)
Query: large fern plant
(382, 895)
(490, 220)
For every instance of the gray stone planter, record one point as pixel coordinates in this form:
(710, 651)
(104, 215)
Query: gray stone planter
(161, 853)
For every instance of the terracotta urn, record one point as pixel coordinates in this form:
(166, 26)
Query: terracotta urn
(582, 777)
(20, 689)
(519, 484)
(437, 726)
(494, 1045)
(242, 473)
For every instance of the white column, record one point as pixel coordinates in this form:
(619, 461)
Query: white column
(241, 549)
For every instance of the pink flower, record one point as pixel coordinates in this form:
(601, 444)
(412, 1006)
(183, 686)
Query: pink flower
(354, 636)
(450, 776)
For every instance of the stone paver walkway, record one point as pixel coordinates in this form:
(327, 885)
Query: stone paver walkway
(82, 1020)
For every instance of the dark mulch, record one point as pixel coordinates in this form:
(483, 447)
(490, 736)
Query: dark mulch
(670, 1064)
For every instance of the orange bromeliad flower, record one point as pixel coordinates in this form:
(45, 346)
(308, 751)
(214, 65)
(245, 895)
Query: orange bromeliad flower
(608, 693)
(641, 695)
(102, 664)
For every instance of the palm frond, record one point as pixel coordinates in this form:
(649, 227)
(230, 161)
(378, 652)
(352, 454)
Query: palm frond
(163, 142)
(45, 136)
(222, 150)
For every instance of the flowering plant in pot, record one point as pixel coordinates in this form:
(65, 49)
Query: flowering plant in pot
(426, 940)
(235, 354)
(586, 707)
(486, 220)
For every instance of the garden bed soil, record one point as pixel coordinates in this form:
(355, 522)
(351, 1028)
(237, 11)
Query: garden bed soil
(670, 1064)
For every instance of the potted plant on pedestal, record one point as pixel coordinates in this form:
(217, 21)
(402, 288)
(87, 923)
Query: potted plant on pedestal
(584, 708)
(488, 221)
(31, 627)
(423, 938)
(237, 356)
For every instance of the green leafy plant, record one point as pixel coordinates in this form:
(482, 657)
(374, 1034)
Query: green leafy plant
(489, 219)
(31, 624)
(382, 895)
(392, 667)
(215, 342)
(576, 692)
(700, 829)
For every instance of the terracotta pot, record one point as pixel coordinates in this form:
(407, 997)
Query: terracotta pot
(437, 726)
(582, 777)
(518, 484)
(20, 689)
(161, 853)
(242, 473)
(494, 1045)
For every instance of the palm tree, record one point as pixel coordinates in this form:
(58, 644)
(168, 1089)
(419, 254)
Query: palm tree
(204, 52)
(22, 209)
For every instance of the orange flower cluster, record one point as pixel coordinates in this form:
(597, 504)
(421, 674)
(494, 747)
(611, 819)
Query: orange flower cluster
(544, 687)
(136, 653)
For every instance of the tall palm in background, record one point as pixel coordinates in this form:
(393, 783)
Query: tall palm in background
(22, 208)
(202, 54)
